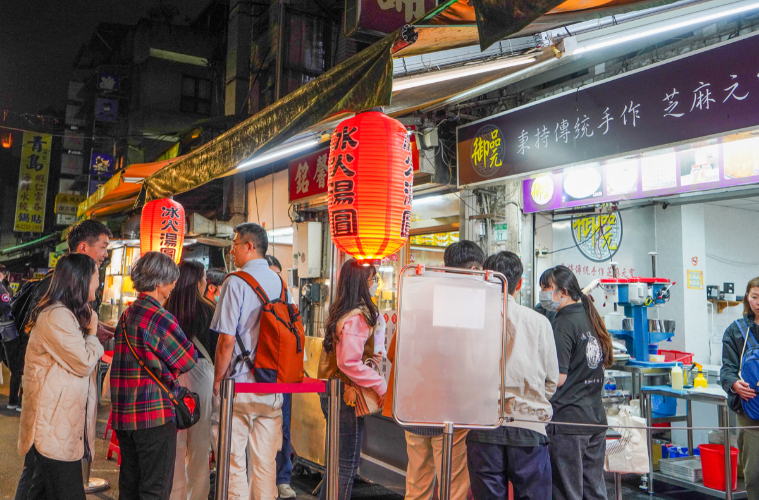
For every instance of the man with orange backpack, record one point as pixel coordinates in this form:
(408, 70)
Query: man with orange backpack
(261, 340)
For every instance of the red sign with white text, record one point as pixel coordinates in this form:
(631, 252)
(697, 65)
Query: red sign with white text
(308, 175)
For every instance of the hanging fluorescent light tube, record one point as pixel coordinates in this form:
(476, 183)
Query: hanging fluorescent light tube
(616, 39)
(279, 153)
(445, 75)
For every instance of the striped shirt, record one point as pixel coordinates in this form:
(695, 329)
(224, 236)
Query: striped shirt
(138, 402)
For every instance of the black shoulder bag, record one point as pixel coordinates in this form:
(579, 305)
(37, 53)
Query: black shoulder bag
(186, 406)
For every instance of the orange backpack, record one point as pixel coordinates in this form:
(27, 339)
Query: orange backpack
(281, 338)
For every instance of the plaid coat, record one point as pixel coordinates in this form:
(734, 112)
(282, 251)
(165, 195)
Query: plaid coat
(138, 402)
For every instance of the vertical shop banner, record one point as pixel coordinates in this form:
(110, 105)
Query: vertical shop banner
(308, 175)
(708, 93)
(32, 183)
(101, 164)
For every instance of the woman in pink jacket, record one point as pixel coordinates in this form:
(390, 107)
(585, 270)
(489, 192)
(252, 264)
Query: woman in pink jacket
(349, 341)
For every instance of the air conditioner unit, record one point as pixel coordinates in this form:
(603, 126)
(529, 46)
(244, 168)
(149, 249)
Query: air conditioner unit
(200, 225)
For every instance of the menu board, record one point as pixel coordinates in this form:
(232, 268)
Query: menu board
(733, 161)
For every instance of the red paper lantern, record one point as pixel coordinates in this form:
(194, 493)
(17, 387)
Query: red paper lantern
(162, 228)
(370, 180)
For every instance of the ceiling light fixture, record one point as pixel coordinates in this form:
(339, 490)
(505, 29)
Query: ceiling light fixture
(695, 19)
(279, 153)
(445, 75)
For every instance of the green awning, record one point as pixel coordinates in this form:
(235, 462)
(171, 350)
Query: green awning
(30, 244)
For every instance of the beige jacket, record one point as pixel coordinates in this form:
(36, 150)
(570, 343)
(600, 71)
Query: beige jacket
(532, 368)
(60, 389)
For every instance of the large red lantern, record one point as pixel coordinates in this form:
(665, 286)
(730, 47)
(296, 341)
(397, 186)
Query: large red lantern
(162, 228)
(371, 174)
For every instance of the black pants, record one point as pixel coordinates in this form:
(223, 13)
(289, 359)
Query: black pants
(15, 350)
(54, 479)
(147, 462)
(577, 463)
(27, 473)
(492, 466)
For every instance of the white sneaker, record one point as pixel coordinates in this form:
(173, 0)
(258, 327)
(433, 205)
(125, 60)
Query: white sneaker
(18, 409)
(285, 491)
(12, 407)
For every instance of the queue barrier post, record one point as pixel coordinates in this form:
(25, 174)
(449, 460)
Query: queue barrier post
(333, 438)
(447, 461)
(227, 396)
(225, 438)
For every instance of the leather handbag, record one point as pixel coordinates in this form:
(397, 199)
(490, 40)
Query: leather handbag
(186, 405)
(365, 400)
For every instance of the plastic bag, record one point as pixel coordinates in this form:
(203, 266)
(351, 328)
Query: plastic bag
(630, 453)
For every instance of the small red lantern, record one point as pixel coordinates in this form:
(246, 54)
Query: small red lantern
(7, 140)
(162, 228)
(371, 174)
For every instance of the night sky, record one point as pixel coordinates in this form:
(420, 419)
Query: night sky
(40, 38)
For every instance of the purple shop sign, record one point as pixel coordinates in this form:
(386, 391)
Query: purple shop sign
(381, 17)
(708, 93)
(729, 161)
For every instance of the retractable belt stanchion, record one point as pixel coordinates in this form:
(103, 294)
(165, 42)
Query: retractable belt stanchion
(228, 391)
(225, 438)
(333, 439)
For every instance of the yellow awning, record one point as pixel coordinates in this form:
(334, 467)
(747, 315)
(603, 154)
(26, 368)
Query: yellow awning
(120, 192)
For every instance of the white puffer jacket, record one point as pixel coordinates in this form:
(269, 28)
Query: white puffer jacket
(60, 389)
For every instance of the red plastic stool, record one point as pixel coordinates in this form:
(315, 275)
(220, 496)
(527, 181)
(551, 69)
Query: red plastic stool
(113, 447)
(108, 425)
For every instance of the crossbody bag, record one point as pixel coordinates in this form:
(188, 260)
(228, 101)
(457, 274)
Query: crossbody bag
(186, 406)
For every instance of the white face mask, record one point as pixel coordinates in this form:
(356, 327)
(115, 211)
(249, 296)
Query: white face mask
(373, 289)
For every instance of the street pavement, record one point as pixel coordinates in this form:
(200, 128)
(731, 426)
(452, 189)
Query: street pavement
(304, 482)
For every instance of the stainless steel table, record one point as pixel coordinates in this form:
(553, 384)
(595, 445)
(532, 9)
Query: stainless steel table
(690, 397)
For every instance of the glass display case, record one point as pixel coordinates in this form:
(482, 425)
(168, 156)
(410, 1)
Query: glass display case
(118, 292)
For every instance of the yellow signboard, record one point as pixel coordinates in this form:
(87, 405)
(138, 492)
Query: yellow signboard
(32, 183)
(67, 204)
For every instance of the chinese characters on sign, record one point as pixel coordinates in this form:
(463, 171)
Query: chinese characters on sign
(385, 16)
(709, 93)
(32, 183)
(162, 227)
(308, 175)
(598, 237)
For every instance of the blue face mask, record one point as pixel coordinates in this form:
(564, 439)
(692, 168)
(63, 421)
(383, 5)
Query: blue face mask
(546, 300)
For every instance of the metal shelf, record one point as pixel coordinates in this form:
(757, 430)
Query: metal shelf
(666, 420)
(698, 486)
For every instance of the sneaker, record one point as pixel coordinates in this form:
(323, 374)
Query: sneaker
(12, 407)
(18, 409)
(285, 491)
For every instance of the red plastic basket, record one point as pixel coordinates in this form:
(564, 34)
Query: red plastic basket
(685, 358)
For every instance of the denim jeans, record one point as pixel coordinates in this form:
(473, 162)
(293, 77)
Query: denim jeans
(284, 461)
(577, 466)
(351, 439)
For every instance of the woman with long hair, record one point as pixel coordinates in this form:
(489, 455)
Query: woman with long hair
(584, 348)
(348, 342)
(194, 313)
(60, 387)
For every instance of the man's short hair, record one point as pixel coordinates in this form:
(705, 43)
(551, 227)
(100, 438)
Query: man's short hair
(464, 254)
(507, 263)
(153, 269)
(3, 269)
(254, 233)
(88, 231)
(273, 261)
(215, 276)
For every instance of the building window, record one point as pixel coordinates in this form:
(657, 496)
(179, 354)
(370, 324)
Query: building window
(196, 96)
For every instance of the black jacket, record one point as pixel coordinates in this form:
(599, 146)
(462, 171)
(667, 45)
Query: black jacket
(732, 346)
